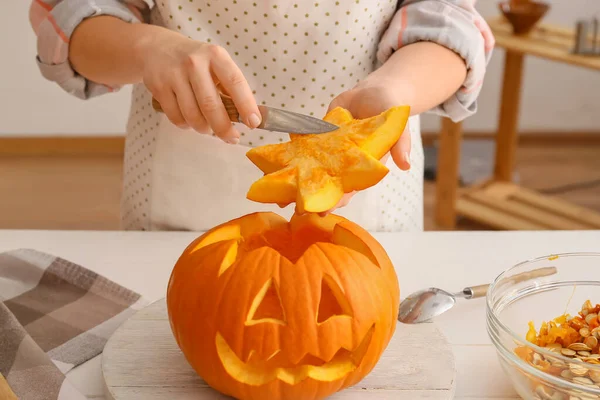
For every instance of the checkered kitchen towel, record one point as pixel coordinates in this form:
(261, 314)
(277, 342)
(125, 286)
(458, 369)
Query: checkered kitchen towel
(54, 315)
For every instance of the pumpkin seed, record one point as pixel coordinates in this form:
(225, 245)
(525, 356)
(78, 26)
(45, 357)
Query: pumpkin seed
(556, 363)
(567, 374)
(537, 359)
(544, 392)
(587, 305)
(591, 341)
(583, 380)
(585, 312)
(590, 360)
(584, 353)
(578, 370)
(585, 332)
(579, 347)
(577, 324)
(568, 352)
(595, 376)
(590, 317)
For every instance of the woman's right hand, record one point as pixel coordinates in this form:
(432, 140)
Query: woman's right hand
(182, 74)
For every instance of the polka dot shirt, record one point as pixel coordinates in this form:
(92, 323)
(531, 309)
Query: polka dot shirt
(296, 56)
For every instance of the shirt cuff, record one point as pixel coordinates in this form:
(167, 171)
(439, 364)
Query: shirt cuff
(455, 26)
(53, 36)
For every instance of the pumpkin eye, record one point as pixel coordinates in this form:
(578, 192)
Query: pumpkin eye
(332, 302)
(266, 306)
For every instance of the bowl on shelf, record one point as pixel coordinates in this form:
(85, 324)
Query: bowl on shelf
(539, 372)
(523, 15)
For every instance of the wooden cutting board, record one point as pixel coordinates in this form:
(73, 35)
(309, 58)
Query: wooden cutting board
(142, 361)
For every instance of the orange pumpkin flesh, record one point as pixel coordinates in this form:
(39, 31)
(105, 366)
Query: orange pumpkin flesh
(316, 170)
(264, 308)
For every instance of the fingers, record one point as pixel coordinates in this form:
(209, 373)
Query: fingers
(189, 107)
(170, 106)
(401, 150)
(183, 82)
(212, 107)
(340, 101)
(233, 81)
(385, 158)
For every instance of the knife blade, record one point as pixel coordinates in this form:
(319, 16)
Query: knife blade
(275, 119)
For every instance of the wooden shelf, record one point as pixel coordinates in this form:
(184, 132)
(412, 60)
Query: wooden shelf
(545, 41)
(498, 202)
(509, 206)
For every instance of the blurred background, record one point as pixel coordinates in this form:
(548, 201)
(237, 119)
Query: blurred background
(61, 158)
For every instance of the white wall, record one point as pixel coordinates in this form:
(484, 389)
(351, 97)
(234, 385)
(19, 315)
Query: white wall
(31, 105)
(555, 97)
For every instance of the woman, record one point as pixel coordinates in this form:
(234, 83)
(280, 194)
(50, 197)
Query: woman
(186, 169)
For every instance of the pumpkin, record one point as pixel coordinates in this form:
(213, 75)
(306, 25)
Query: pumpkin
(263, 308)
(315, 171)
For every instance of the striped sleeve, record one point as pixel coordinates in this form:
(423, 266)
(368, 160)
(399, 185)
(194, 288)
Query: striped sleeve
(454, 24)
(53, 22)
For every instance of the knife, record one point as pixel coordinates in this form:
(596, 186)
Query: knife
(275, 119)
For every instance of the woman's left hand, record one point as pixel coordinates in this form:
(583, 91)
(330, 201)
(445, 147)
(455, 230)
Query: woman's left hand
(367, 100)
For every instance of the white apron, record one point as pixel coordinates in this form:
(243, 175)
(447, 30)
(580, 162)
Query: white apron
(295, 56)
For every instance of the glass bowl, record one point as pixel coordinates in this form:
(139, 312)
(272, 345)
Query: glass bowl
(511, 304)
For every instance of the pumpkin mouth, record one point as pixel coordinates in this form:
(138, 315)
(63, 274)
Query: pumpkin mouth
(258, 373)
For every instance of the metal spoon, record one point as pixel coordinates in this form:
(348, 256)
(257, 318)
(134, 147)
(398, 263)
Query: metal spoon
(426, 304)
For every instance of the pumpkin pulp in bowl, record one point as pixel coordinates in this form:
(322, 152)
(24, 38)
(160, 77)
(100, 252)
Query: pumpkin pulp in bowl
(558, 360)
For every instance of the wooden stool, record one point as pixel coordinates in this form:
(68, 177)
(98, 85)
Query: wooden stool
(498, 202)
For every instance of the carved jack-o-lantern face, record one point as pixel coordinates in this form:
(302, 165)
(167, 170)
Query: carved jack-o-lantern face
(266, 309)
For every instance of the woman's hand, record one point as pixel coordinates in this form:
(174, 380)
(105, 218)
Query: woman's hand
(367, 99)
(182, 74)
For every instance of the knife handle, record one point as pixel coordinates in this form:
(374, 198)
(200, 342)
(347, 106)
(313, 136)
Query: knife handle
(232, 111)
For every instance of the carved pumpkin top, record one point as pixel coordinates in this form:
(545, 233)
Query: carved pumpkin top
(316, 170)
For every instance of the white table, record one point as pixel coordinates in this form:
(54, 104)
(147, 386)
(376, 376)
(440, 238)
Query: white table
(142, 261)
